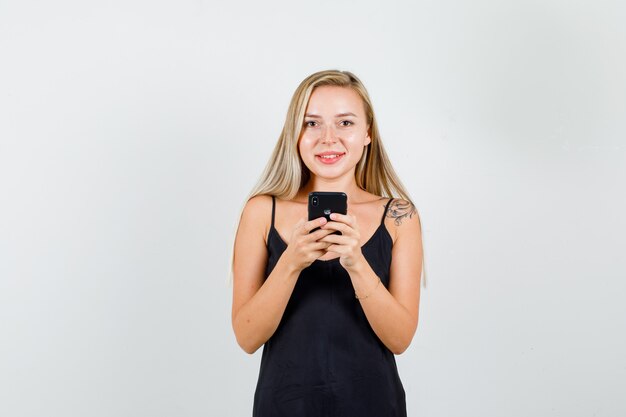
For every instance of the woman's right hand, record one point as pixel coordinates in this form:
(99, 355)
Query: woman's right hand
(303, 248)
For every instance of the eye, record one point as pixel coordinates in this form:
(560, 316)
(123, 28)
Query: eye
(347, 121)
(307, 123)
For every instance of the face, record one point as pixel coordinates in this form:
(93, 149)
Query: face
(335, 131)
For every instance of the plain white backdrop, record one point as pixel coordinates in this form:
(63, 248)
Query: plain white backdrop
(132, 131)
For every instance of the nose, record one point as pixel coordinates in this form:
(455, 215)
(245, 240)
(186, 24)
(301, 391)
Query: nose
(328, 135)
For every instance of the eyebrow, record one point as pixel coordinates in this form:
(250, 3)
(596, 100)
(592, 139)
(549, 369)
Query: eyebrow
(337, 115)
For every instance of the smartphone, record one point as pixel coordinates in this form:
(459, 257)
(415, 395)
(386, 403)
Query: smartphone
(322, 203)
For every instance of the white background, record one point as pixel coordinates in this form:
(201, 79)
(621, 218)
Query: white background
(131, 132)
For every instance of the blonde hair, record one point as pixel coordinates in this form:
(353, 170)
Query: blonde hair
(285, 173)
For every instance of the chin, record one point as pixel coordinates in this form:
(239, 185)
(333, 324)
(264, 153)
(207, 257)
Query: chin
(331, 174)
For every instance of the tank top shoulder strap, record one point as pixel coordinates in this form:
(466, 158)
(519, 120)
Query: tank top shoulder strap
(385, 212)
(273, 210)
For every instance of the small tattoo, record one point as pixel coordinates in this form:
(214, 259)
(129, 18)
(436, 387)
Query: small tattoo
(400, 209)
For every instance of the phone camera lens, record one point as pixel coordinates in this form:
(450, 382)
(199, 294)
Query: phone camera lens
(314, 201)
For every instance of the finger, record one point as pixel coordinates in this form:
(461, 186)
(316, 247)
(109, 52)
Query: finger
(312, 224)
(320, 245)
(336, 239)
(338, 249)
(318, 234)
(343, 218)
(342, 227)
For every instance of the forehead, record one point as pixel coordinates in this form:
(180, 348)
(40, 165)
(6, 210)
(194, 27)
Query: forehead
(334, 99)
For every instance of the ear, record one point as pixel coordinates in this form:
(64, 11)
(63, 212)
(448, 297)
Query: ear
(368, 140)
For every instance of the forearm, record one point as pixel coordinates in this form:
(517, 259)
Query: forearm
(391, 321)
(258, 319)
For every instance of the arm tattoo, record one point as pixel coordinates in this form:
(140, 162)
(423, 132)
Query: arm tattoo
(400, 209)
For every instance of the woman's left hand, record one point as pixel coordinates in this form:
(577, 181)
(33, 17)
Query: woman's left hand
(348, 244)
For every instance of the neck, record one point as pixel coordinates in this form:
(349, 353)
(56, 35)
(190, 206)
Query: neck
(343, 185)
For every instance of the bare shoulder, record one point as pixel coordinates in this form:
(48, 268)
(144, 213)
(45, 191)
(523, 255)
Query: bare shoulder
(259, 201)
(257, 215)
(402, 219)
(401, 211)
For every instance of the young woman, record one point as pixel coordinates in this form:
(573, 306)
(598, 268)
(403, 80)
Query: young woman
(330, 310)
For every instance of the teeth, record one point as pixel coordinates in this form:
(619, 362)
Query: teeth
(328, 156)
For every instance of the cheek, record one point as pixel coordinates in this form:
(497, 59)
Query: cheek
(305, 145)
(356, 140)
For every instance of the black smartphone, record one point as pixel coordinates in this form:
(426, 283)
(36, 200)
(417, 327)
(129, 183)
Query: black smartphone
(322, 203)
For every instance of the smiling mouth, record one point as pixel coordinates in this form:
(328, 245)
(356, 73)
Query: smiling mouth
(329, 158)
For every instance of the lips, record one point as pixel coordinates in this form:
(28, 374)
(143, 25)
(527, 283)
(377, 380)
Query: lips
(329, 157)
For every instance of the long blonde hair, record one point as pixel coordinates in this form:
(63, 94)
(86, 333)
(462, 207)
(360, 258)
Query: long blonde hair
(285, 173)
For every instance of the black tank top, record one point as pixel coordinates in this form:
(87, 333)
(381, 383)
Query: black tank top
(324, 359)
